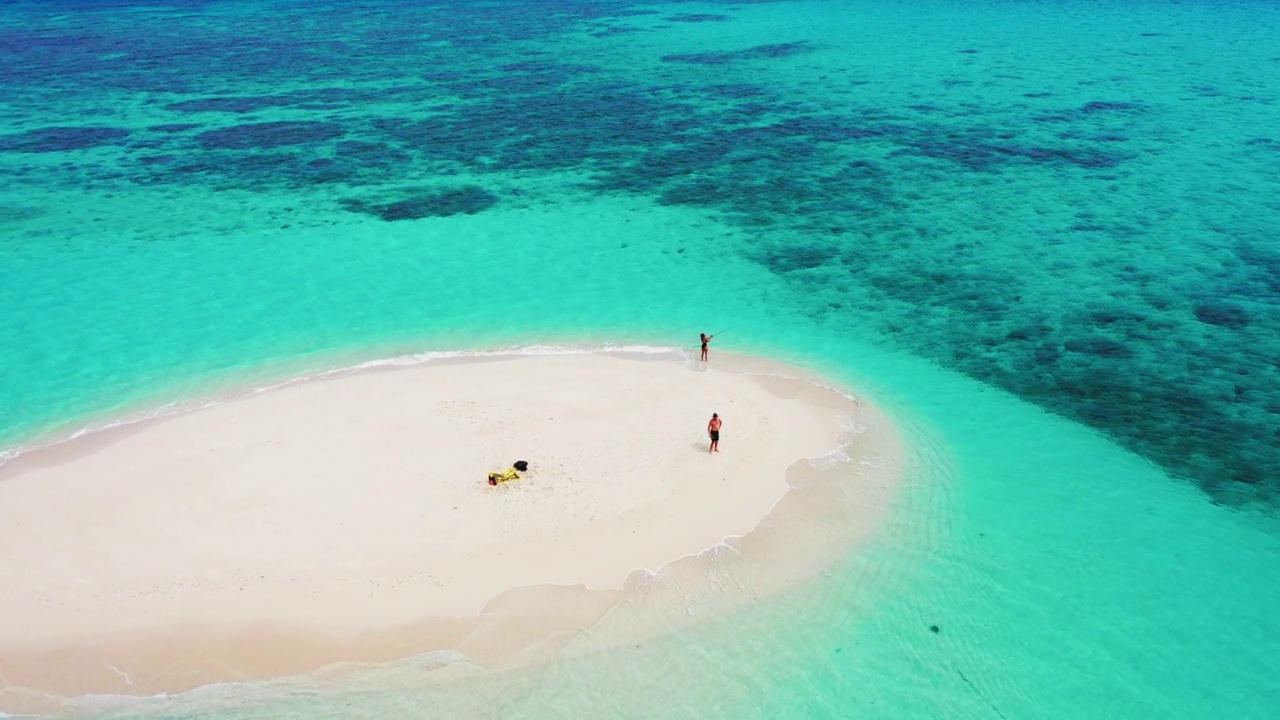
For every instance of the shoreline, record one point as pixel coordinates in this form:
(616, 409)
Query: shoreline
(237, 383)
(590, 568)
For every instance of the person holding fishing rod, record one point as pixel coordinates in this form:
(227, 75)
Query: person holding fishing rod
(706, 340)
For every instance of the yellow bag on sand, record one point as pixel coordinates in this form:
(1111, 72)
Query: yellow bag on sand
(505, 476)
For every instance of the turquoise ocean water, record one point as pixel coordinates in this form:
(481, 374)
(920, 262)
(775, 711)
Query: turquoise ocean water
(1042, 235)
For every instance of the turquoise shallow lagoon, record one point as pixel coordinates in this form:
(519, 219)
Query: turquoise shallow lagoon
(1042, 235)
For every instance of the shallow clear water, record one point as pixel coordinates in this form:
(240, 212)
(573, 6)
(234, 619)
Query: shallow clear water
(1041, 234)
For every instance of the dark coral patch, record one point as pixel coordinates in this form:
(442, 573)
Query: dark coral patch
(759, 52)
(450, 137)
(1055, 118)
(1263, 263)
(254, 169)
(1099, 347)
(173, 127)
(698, 18)
(61, 139)
(440, 203)
(973, 155)
(1047, 354)
(798, 257)
(1215, 313)
(698, 192)
(735, 91)
(310, 98)
(1111, 315)
(979, 153)
(823, 128)
(1103, 106)
(270, 135)
(1088, 158)
(372, 155)
(324, 170)
(620, 30)
(232, 104)
(778, 50)
(539, 66)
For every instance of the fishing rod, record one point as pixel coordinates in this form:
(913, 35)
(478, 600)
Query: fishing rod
(713, 335)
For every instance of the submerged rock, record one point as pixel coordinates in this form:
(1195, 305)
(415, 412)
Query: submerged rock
(467, 200)
(61, 139)
(270, 135)
(1213, 313)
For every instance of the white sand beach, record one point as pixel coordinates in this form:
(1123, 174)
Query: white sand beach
(347, 518)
